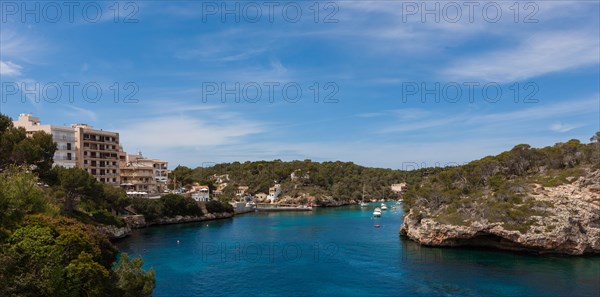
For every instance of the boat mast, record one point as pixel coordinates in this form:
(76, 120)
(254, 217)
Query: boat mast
(363, 193)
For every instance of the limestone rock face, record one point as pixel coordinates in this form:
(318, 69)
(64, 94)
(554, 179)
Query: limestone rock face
(570, 226)
(114, 232)
(190, 219)
(135, 221)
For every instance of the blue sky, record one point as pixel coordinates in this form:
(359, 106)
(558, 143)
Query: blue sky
(376, 57)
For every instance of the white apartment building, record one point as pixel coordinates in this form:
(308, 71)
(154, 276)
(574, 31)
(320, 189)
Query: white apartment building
(63, 136)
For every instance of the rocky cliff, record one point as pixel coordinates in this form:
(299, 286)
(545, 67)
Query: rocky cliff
(114, 232)
(569, 224)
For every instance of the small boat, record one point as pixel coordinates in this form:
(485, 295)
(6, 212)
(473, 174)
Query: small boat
(382, 200)
(376, 226)
(363, 204)
(383, 206)
(393, 206)
(377, 212)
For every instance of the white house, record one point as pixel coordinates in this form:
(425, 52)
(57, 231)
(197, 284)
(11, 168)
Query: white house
(274, 192)
(201, 193)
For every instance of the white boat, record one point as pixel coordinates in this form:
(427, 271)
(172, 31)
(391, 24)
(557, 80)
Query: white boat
(377, 212)
(383, 206)
(382, 200)
(362, 202)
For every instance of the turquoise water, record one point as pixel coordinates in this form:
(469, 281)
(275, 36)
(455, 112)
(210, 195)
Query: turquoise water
(338, 252)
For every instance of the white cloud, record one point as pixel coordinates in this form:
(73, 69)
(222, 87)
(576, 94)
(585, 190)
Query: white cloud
(493, 121)
(541, 54)
(81, 114)
(186, 131)
(562, 128)
(9, 68)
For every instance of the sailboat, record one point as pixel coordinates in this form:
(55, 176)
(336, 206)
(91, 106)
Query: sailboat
(362, 202)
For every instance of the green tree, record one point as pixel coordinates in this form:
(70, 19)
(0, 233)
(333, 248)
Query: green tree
(86, 277)
(16, 148)
(77, 184)
(131, 279)
(55, 256)
(20, 195)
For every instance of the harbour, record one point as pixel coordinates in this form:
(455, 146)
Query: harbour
(339, 252)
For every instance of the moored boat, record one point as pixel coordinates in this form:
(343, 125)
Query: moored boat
(377, 212)
(383, 206)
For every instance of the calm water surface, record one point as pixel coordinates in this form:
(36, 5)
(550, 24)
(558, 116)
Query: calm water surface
(338, 252)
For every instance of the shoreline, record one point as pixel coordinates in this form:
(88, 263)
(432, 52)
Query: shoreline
(138, 222)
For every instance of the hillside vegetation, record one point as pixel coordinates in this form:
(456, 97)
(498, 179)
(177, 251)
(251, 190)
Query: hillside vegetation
(543, 200)
(49, 245)
(496, 188)
(337, 181)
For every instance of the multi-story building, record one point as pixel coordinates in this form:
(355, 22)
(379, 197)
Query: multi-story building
(161, 171)
(240, 192)
(101, 155)
(274, 192)
(139, 174)
(63, 136)
(98, 153)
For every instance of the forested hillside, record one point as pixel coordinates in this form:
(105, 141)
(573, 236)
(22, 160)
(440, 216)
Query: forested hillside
(340, 181)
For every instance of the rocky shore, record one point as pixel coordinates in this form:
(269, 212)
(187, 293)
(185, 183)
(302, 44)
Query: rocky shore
(570, 225)
(139, 221)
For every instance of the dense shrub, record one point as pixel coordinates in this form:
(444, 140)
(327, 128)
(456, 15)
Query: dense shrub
(214, 206)
(167, 206)
(173, 205)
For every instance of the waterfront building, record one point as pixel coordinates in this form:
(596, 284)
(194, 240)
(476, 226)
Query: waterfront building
(240, 192)
(260, 197)
(200, 192)
(97, 151)
(161, 172)
(274, 192)
(63, 136)
(140, 174)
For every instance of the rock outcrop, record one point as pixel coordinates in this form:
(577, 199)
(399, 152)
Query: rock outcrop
(114, 232)
(190, 219)
(570, 224)
(139, 221)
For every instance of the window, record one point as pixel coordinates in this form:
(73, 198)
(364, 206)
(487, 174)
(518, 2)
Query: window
(68, 146)
(69, 156)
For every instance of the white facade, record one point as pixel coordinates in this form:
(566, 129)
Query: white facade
(201, 194)
(63, 136)
(274, 192)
